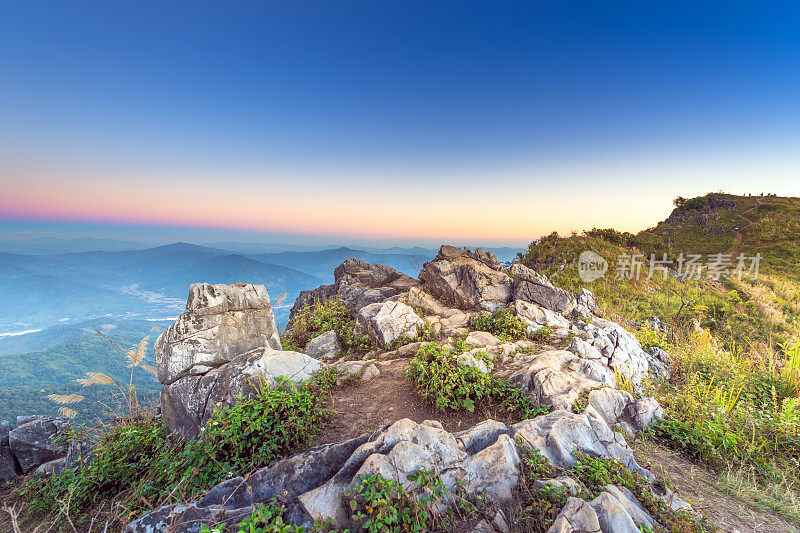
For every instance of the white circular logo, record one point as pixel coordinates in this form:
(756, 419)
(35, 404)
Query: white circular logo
(591, 266)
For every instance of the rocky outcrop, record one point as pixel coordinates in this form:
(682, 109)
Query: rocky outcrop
(358, 284)
(481, 460)
(556, 378)
(217, 351)
(8, 465)
(530, 286)
(388, 321)
(188, 403)
(468, 280)
(220, 323)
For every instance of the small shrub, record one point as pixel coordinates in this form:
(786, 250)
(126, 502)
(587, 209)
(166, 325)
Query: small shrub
(261, 430)
(502, 324)
(448, 383)
(381, 505)
(326, 315)
(266, 518)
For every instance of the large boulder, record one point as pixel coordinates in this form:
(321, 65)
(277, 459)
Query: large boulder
(220, 323)
(467, 279)
(560, 434)
(388, 321)
(188, 403)
(530, 286)
(35, 441)
(557, 377)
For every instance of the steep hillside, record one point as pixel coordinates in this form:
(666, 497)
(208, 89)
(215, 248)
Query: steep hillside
(724, 223)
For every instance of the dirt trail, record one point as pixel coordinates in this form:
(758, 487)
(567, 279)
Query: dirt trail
(734, 250)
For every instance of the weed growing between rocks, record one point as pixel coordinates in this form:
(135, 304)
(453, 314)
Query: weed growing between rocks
(502, 324)
(137, 466)
(449, 379)
(266, 518)
(595, 473)
(327, 315)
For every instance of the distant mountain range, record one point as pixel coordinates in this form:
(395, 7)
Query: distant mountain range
(128, 281)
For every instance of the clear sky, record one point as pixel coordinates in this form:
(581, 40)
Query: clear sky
(388, 121)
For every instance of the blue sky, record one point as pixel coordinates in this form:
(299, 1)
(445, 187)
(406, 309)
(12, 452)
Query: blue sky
(389, 121)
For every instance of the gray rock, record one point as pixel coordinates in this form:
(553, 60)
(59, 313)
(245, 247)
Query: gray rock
(586, 299)
(659, 362)
(370, 373)
(559, 434)
(612, 515)
(482, 436)
(577, 516)
(51, 467)
(220, 323)
(32, 442)
(358, 284)
(538, 316)
(530, 286)
(494, 471)
(632, 506)
(557, 377)
(469, 280)
(324, 346)
(388, 321)
(8, 466)
(186, 518)
(187, 404)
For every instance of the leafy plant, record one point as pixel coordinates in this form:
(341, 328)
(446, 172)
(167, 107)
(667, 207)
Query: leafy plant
(266, 518)
(329, 314)
(262, 429)
(380, 504)
(441, 375)
(503, 324)
(137, 467)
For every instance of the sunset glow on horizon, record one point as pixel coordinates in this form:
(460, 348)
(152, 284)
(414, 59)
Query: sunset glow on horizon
(394, 123)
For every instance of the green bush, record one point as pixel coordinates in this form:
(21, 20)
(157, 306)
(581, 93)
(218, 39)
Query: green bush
(326, 315)
(502, 324)
(446, 382)
(263, 429)
(379, 504)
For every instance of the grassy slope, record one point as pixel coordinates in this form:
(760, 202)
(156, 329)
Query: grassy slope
(733, 400)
